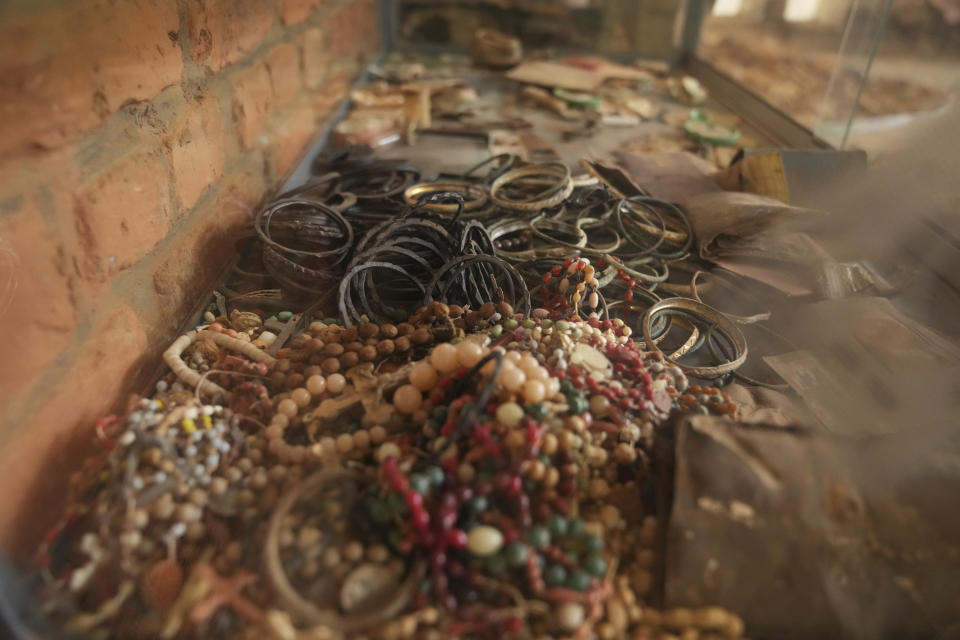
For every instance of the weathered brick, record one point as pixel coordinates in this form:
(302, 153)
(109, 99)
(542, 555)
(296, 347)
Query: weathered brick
(197, 149)
(222, 31)
(38, 299)
(283, 64)
(252, 102)
(36, 460)
(121, 213)
(334, 92)
(294, 11)
(316, 58)
(289, 137)
(186, 271)
(65, 67)
(355, 24)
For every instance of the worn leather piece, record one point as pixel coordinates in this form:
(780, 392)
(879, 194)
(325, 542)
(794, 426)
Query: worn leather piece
(672, 177)
(726, 223)
(805, 535)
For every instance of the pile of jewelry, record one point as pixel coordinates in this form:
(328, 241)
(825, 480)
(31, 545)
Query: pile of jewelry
(470, 450)
(435, 478)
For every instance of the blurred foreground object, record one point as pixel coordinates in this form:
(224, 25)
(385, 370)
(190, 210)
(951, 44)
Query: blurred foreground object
(494, 49)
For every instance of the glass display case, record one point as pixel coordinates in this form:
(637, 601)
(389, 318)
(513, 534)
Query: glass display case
(438, 391)
(809, 73)
(645, 28)
(851, 71)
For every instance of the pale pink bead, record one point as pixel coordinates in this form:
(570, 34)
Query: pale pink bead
(316, 384)
(534, 391)
(336, 383)
(288, 408)
(407, 399)
(444, 358)
(469, 353)
(514, 356)
(593, 300)
(512, 377)
(301, 396)
(281, 420)
(423, 376)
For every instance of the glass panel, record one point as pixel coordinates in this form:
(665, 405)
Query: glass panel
(915, 71)
(646, 28)
(852, 71)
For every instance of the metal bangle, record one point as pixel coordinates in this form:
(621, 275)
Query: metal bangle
(757, 317)
(556, 169)
(474, 196)
(709, 316)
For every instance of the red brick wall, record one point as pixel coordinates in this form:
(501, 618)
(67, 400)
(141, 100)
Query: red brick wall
(135, 139)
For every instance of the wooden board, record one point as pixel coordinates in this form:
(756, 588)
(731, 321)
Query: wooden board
(555, 74)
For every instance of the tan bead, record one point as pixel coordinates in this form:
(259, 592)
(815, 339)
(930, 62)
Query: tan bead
(316, 384)
(388, 331)
(469, 353)
(369, 330)
(331, 557)
(599, 405)
(353, 551)
(423, 376)
(386, 347)
(333, 349)
(625, 453)
(336, 383)
(516, 439)
(509, 414)
(599, 488)
(576, 423)
(536, 470)
(288, 408)
(330, 365)
(534, 391)
(301, 396)
(466, 473)
(407, 399)
(552, 477)
(549, 444)
(274, 431)
(361, 439)
(378, 434)
(344, 442)
(387, 450)
(377, 553)
(512, 377)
